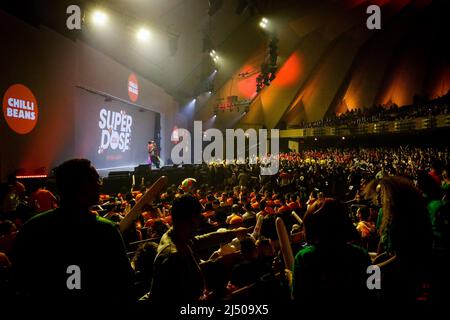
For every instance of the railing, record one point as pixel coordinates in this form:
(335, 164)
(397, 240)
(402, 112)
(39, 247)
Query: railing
(382, 127)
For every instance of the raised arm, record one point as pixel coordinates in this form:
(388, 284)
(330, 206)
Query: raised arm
(148, 197)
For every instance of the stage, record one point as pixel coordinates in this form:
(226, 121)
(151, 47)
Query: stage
(120, 180)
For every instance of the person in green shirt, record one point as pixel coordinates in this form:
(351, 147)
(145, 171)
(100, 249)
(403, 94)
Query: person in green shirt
(70, 253)
(329, 268)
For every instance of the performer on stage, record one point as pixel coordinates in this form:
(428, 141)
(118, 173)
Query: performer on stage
(153, 154)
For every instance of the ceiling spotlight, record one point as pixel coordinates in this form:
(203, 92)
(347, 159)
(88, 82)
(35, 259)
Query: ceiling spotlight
(214, 55)
(143, 34)
(343, 138)
(99, 17)
(263, 23)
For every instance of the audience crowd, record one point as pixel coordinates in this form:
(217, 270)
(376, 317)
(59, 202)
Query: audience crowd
(213, 236)
(358, 116)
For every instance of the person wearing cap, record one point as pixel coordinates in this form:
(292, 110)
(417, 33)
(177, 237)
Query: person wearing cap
(236, 222)
(269, 210)
(283, 207)
(255, 205)
(235, 213)
(188, 185)
(43, 199)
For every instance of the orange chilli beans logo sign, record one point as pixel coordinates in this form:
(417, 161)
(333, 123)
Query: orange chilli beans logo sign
(20, 108)
(133, 87)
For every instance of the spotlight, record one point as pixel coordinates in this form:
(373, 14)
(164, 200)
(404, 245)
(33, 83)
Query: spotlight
(99, 17)
(214, 55)
(263, 23)
(315, 139)
(143, 34)
(343, 138)
(195, 99)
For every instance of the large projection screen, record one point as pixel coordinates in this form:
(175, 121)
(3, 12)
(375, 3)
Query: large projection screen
(110, 133)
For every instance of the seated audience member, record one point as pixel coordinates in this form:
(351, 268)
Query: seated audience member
(8, 234)
(15, 194)
(441, 251)
(269, 231)
(72, 235)
(312, 198)
(142, 263)
(265, 251)
(158, 229)
(235, 212)
(251, 269)
(446, 177)
(366, 229)
(436, 171)
(329, 269)
(215, 276)
(43, 200)
(208, 211)
(177, 276)
(405, 240)
(249, 219)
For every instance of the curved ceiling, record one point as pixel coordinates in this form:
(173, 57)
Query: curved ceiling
(329, 61)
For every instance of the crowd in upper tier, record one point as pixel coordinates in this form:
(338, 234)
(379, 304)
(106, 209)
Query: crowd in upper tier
(358, 116)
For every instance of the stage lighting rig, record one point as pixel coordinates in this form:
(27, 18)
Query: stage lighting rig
(269, 66)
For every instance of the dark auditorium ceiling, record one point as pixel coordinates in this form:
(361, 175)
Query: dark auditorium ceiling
(183, 24)
(328, 61)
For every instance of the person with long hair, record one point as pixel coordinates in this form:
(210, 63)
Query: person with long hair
(405, 244)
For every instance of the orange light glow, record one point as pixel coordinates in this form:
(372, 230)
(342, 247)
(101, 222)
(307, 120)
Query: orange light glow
(246, 87)
(441, 83)
(290, 72)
